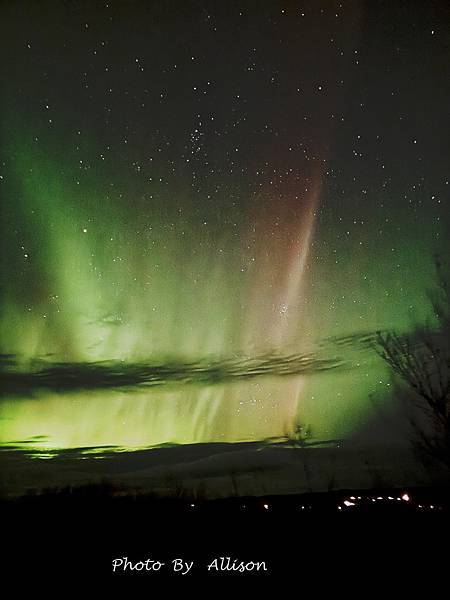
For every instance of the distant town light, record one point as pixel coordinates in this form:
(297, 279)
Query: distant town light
(405, 497)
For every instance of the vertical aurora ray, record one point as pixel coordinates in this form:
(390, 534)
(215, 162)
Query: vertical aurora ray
(117, 287)
(192, 193)
(276, 318)
(75, 314)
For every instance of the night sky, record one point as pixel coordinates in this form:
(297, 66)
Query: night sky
(197, 182)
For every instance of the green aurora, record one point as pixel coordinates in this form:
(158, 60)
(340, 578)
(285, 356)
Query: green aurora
(175, 193)
(88, 281)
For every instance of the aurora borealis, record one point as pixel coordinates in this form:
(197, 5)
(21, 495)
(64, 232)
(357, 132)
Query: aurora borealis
(216, 183)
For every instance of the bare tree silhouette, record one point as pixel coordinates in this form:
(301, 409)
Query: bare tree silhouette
(300, 439)
(422, 360)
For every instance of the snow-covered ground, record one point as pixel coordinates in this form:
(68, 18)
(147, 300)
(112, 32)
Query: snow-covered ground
(220, 470)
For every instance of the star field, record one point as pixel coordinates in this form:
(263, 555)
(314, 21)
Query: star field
(217, 180)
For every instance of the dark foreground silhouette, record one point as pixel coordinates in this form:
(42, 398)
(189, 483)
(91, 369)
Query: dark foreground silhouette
(314, 539)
